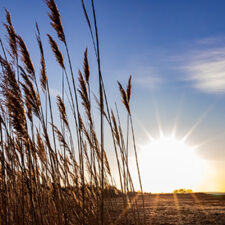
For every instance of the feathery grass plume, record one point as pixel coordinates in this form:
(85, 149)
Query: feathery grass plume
(56, 51)
(106, 162)
(29, 108)
(89, 167)
(84, 96)
(129, 89)
(56, 23)
(55, 17)
(96, 145)
(31, 96)
(101, 96)
(43, 78)
(125, 100)
(13, 99)
(128, 95)
(32, 101)
(115, 128)
(61, 137)
(3, 49)
(11, 35)
(41, 148)
(99, 107)
(86, 67)
(8, 17)
(80, 121)
(89, 25)
(62, 110)
(25, 57)
(124, 97)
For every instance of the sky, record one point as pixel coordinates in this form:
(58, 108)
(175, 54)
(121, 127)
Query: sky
(175, 52)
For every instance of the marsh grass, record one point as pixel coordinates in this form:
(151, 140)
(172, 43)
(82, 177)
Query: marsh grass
(51, 174)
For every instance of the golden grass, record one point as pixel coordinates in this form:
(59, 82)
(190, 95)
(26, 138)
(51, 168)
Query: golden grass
(49, 175)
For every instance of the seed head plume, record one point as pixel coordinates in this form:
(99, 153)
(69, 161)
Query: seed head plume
(25, 57)
(89, 25)
(41, 148)
(80, 120)
(106, 162)
(115, 128)
(11, 35)
(124, 97)
(96, 146)
(29, 108)
(13, 98)
(99, 107)
(129, 89)
(62, 110)
(56, 51)
(55, 17)
(84, 95)
(8, 17)
(60, 136)
(43, 79)
(86, 66)
(31, 96)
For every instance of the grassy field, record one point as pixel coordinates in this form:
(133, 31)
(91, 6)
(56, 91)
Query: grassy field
(54, 167)
(193, 208)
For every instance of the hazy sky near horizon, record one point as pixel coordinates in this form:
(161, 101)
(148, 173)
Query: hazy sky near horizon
(175, 51)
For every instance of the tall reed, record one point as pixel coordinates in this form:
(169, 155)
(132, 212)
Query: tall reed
(49, 173)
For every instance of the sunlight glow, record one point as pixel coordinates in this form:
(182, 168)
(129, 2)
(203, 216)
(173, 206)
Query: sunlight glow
(167, 164)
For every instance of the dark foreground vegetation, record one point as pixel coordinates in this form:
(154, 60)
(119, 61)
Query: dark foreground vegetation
(54, 167)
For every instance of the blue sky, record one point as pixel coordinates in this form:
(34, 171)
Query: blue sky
(175, 51)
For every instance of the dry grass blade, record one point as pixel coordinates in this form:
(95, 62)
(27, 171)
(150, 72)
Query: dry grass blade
(62, 110)
(115, 128)
(80, 121)
(61, 137)
(31, 96)
(56, 51)
(25, 57)
(129, 89)
(11, 35)
(8, 17)
(55, 19)
(99, 107)
(124, 97)
(41, 148)
(84, 96)
(43, 79)
(86, 67)
(89, 25)
(13, 98)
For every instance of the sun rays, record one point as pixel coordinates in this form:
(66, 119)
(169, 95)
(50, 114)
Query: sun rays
(172, 159)
(167, 164)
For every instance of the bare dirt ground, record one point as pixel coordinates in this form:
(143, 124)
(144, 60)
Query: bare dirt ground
(186, 209)
(192, 208)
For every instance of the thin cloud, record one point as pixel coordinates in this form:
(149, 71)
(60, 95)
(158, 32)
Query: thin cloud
(147, 77)
(150, 81)
(206, 70)
(211, 40)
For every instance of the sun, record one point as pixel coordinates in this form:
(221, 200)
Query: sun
(167, 164)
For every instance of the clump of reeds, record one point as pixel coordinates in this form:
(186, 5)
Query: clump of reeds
(50, 174)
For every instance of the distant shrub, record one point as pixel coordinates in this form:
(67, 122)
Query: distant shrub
(182, 190)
